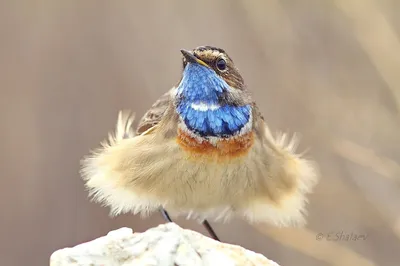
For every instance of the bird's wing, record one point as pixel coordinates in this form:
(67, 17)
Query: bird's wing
(153, 116)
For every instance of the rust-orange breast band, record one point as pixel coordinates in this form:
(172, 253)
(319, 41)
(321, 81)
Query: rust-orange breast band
(224, 148)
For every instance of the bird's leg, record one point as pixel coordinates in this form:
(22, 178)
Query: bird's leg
(165, 215)
(205, 223)
(210, 230)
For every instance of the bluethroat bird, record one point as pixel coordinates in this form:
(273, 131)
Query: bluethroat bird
(203, 150)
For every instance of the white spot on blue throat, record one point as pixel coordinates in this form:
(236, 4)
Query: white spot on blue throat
(199, 106)
(203, 106)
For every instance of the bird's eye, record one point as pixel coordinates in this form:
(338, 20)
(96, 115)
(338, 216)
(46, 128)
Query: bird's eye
(221, 64)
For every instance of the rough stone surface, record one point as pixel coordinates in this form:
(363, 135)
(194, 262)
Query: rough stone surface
(166, 244)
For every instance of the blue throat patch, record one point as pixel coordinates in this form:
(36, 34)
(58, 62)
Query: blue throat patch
(200, 107)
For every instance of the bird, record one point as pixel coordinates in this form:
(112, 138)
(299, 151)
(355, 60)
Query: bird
(203, 150)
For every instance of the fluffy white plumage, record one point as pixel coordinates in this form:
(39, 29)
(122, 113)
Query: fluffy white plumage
(142, 173)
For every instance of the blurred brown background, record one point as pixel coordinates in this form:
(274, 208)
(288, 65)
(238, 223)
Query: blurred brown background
(326, 69)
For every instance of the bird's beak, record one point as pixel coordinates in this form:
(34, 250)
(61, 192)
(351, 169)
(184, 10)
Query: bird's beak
(192, 59)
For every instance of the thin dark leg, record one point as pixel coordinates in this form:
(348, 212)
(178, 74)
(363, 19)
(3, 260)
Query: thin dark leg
(210, 230)
(165, 215)
(208, 227)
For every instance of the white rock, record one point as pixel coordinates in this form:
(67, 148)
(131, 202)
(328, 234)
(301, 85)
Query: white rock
(166, 244)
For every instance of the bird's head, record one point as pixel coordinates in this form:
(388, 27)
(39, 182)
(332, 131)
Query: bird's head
(210, 76)
(215, 59)
(212, 91)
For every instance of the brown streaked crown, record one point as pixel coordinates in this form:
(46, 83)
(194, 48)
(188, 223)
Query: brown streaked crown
(212, 56)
